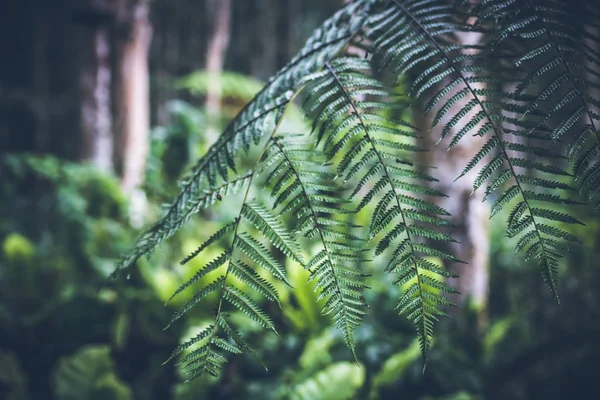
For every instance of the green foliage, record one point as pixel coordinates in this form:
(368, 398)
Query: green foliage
(17, 249)
(394, 367)
(76, 206)
(89, 374)
(527, 86)
(339, 381)
(62, 226)
(12, 378)
(235, 88)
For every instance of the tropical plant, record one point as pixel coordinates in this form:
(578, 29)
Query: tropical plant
(528, 86)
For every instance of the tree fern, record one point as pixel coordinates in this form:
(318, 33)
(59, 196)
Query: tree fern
(528, 86)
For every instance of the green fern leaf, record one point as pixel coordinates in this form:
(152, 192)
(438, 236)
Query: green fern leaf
(361, 143)
(565, 78)
(318, 204)
(274, 231)
(250, 277)
(218, 235)
(529, 89)
(207, 290)
(458, 62)
(210, 267)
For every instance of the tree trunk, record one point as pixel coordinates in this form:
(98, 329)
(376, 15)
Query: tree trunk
(95, 80)
(131, 90)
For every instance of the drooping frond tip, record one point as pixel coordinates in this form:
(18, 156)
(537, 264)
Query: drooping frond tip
(376, 154)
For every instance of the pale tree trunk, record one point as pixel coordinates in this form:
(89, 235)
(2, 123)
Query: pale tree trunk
(114, 86)
(132, 111)
(217, 47)
(469, 213)
(114, 90)
(95, 80)
(132, 100)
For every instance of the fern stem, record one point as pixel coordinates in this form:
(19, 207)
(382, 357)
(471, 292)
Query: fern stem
(495, 129)
(390, 181)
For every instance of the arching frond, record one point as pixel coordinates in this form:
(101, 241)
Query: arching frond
(522, 75)
(241, 262)
(370, 151)
(314, 199)
(259, 116)
(485, 111)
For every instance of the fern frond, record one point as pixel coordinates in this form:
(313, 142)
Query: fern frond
(152, 238)
(207, 357)
(526, 86)
(258, 253)
(366, 143)
(218, 235)
(316, 203)
(259, 116)
(207, 290)
(467, 99)
(255, 281)
(210, 267)
(562, 71)
(248, 306)
(189, 343)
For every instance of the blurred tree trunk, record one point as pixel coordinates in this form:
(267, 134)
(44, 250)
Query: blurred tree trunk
(131, 90)
(114, 86)
(215, 57)
(267, 34)
(468, 211)
(114, 91)
(179, 47)
(95, 80)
